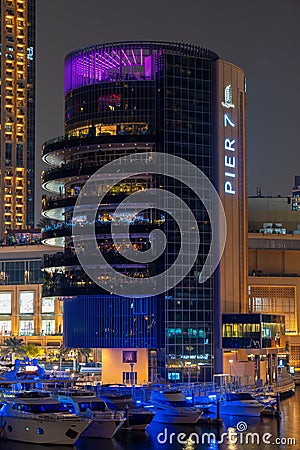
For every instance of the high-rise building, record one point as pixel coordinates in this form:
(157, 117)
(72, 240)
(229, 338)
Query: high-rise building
(133, 98)
(274, 266)
(17, 132)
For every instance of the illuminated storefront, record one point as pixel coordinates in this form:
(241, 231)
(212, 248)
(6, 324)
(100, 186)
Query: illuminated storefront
(23, 311)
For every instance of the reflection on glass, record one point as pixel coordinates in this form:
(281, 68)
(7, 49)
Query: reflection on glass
(48, 305)
(5, 303)
(26, 302)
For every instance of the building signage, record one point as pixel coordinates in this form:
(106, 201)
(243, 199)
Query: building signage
(30, 53)
(230, 160)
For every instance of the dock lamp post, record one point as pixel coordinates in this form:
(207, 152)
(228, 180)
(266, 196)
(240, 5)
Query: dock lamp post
(230, 373)
(55, 370)
(131, 374)
(198, 371)
(189, 372)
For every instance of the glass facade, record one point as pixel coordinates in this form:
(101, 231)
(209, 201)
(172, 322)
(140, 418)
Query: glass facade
(120, 99)
(185, 126)
(253, 331)
(21, 272)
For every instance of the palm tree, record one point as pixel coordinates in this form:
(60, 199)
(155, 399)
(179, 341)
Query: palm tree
(75, 353)
(43, 222)
(13, 346)
(33, 351)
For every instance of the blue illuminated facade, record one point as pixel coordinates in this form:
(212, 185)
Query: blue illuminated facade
(128, 98)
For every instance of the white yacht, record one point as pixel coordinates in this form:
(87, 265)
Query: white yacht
(238, 404)
(104, 422)
(35, 417)
(138, 418)
(172, 407)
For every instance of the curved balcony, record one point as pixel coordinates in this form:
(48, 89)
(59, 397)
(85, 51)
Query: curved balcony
(111, 255)
(55, 150)
(72, 290)
(103, 230)
(54, 207)
(74, 169)
(63, 285)
(55, 202)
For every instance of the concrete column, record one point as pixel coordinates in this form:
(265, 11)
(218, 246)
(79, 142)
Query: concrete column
(269, 372)
(257, 368)
(275, 367)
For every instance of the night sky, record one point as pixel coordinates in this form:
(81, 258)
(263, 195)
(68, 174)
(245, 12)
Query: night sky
(261, 36)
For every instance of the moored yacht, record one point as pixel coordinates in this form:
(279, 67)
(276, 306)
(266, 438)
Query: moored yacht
(104, 422)
(239, 404)
(137, 417)
(35, 417)
(172, 407)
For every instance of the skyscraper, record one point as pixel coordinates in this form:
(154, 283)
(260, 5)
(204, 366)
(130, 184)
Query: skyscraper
(138, 98)
(17, 114)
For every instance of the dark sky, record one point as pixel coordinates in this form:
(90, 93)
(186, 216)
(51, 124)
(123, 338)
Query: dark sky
(261, 36)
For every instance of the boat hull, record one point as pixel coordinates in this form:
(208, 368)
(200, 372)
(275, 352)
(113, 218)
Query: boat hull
(36, 431)
(138, 420)
(237, 409)
(105, 429)
(176, 417)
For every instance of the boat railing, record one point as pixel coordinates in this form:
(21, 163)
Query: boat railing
(100, 415)
(58, 417)
(119, 415)
(51, 416)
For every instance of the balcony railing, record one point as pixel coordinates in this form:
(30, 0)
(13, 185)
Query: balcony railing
(102, 229)
(65, 201)
(68, 285)
(65, 142)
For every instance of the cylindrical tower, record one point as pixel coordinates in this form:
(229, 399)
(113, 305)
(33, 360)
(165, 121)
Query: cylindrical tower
(137, 98)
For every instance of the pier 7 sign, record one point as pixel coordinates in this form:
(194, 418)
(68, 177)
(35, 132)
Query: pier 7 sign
(230, 159)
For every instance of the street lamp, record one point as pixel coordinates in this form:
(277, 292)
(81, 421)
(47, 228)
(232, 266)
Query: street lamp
(55, 370)
(198, 371)
(73, 355)
(189, 349)
(230, 372)
(189, 372)
(131, 374)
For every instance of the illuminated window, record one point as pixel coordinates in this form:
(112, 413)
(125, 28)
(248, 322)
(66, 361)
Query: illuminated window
(26, 302)
(48, 326)
(5, 299)
(48, 305)
(5, 327)
(275, 300)
(26, 327)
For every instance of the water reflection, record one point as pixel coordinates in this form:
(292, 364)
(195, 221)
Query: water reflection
(201, 437)
(14, 445)
(190, 445)
(96, 444)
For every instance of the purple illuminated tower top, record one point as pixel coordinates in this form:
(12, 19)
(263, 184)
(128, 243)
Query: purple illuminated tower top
(121, 61)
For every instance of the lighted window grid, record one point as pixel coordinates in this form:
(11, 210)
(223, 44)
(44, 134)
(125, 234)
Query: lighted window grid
(295, 355)
(275, 300)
